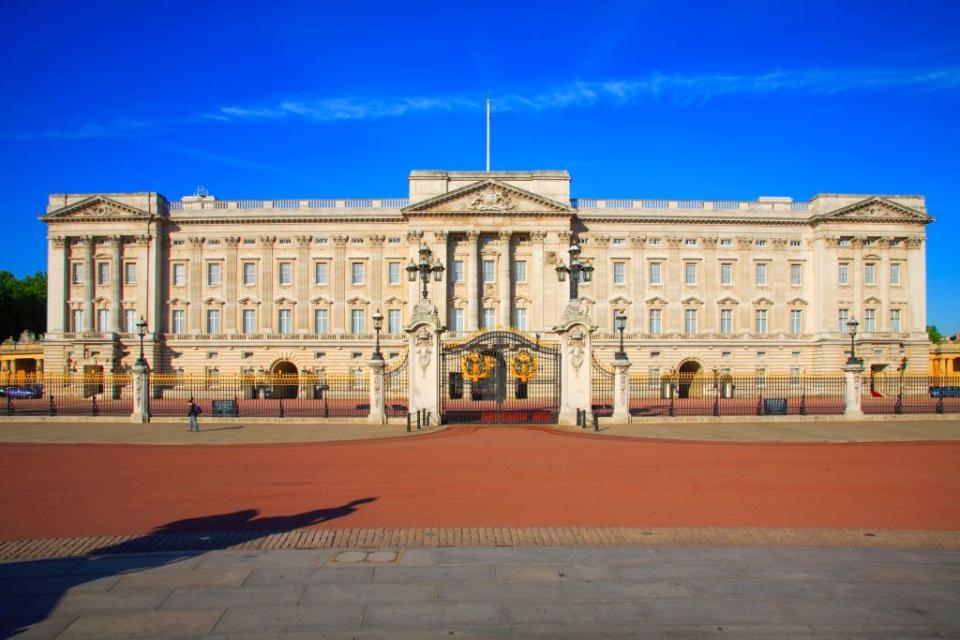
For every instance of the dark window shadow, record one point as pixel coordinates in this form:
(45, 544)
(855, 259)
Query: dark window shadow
(30, 590)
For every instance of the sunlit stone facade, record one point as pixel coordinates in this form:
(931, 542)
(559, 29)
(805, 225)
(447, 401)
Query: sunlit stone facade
(290, 285)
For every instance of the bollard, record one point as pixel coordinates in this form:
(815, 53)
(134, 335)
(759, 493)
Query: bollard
(760, 405)
(596, 422)
(408, 422)
(9, 406)
(53, 406)
(96, 409)
(281, 407)
(940, 405)
(803, 403)
(428, 418)
(419, 413)
(236, 403)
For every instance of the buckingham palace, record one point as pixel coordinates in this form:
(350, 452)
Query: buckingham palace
(290, 286)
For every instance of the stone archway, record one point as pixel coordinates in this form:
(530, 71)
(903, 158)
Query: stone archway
(286, 380)
(689, 372)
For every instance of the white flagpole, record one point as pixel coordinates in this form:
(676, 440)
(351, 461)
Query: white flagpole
(488, 135)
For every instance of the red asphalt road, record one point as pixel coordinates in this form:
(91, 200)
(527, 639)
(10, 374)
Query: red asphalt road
(488, 476)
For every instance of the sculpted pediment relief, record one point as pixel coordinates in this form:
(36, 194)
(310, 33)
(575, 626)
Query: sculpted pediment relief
(489, 197)
(96, 208)
(728, 301)
(875, 209)
(656, 300)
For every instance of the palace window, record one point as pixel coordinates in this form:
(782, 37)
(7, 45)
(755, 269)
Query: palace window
(895, 320)
(76, 272)
(653, 241)
(489, 318)
(843, 273)
(796, 274)
(357, 273)
(286, 273)
(726, 321)
(103, 273)
(357, 321)
(690, 321)
(249, 273)
(690, 242)
(761, 324)
(321, 322)
(617, 241)
(103, 320)
(844, 242)
(619, 273)
(76, 320)
(249, 320)
(843, 316)
(178, 322)
(179, 275)
(130, 321)
(213, 321)
(726, 273)
(520, 271)
(726, 242)
(760, 243)
(656, 324)
(393, 240)
(393, 322)
(761, 274)
(870, 320)
(488, 270)
(285, 321)
(870, 273)
(456, 271)
(213, 274)
(796, 321)
(690, 273)
(321, 273)
(130, 272)
(520, 319)
(794, 243)
(656, 273)
(895, 273)
(393, 273)
(457, 320)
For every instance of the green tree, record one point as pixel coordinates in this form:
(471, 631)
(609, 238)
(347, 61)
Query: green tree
(933, 334)
(23, 304)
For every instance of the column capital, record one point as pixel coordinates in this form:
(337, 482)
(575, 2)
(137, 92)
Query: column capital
(376, 240)
(564, 236)
(538, 236)
(231, 241)
(709, 242)
(340, 242)
(140, 241)
(87, 241)
(441, 236)
(267, 241)
(914, 243)
(59, 242)
(505, 235)
(304, 241)
(414, 236)
(115, 240)
(638, 241)
(196, 242)
(473, 235)
(600, 241)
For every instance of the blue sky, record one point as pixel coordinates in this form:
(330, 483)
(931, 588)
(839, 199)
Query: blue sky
(725, 100)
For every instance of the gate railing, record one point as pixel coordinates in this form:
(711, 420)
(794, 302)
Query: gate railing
(92, 394)
(601, 388)
(910, 393)
(396, 388)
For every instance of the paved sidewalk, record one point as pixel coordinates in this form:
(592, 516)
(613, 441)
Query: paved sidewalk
(229, 431)
(500, 592)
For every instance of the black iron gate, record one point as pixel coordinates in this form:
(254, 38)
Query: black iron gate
(500, 376)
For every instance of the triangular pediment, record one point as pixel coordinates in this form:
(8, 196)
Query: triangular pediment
(728, 301)
(656, 301)
(99, 208)
(489, 197)
(875, 209)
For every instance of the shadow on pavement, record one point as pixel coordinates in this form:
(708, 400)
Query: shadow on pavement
(31, 590)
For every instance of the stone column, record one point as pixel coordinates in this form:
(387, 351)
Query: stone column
(231, 267)
(196, 286)
(601, 281)
(473, 280)
(376, 270)
(145, 284)
(378, 412)
(303, 285)
(503, 279)
(266, 284)
(916, 281)
(745, 285)
(57, 284)
(423, 345)
(621, 390)
(852, 383)
(89, 322)
(710, 285)
(441, 289)
(638, 283)
(116, 283)
(141, 393)
(155, 270)
(537, 285)
(340, 324)
(575, 363)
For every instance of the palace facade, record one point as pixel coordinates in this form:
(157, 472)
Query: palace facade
(290, 285)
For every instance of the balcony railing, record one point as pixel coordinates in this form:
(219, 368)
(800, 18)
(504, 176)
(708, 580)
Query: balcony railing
(346, 203)
(683, 205)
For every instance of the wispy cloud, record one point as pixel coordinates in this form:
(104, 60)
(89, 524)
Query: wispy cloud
(680, 89)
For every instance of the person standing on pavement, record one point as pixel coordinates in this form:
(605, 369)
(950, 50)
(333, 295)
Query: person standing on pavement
(192, 414)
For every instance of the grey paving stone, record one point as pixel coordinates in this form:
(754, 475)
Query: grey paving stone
(162, 624)
(113, 564)
(294, 558)
(678, 571)
(606, 631)
(573, 612)
(907, 592)
(382, 556)
(910, 572)
(887, 611)
(225, 597)
(386, 592)
(304, 576)
(541, 572)
(54, 585)
(435, 573)
(268, 620)
(432, 616)
(33, 629)
(180, 579)
(888, 632)
(36, 568)
(618, 555)
(490, 555)
(763, 589)
(71, 603)
(716, 611)
(350, 556)
(498, 592)
(620, 590)
(498, 632)
(700, 555)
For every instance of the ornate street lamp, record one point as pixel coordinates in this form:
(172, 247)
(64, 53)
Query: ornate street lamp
(142, 332)
(898, 408)
(578, 271)
(853, 359)
(620, 322)
(377, 325)
(424, 269)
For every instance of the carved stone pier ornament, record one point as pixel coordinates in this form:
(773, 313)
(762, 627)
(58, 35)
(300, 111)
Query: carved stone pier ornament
(424, 346)
(576, 346)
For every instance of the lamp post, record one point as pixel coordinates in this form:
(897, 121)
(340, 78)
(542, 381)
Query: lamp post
(853, 359)
(142, 332)
(377, 325)
(620, 323)
(716, 391)
(578, 271)
(424, 268)
(898, 409)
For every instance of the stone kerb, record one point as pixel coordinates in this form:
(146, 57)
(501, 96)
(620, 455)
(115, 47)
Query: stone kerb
(574, 332)
(423, 344)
